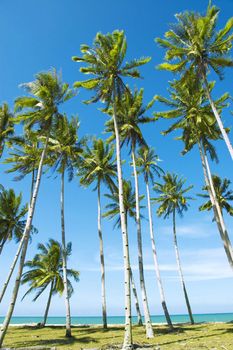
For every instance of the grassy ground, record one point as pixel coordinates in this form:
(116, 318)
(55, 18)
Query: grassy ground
(217, 336)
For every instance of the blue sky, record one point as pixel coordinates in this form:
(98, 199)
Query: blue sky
(36, 36)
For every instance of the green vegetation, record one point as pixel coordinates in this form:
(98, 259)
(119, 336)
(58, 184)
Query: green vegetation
(196, 337)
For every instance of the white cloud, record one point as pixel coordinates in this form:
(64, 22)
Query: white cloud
(201, 264)
(190, 231)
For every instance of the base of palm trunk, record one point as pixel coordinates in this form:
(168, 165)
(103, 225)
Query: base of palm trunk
(68, 333)
(128, 347)
(167, 316)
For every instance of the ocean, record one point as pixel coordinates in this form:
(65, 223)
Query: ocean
(218, 317)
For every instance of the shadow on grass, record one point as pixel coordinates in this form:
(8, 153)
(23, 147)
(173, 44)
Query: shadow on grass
(189, 338)
(55, 342)
(176, 329)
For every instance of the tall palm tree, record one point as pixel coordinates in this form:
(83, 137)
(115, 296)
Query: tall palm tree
(25, 158)
(64, 150)
(6, 125)
(131, 113)
(98, 166)
(45, 271)
(172, 199)
(194, 43)
(113, 212)
(12, 216)
(189, 104)
(147, 162)
(223, 195)
(40, 109)
(104, 61)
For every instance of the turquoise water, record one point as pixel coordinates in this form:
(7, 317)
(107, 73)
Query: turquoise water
(223, 317)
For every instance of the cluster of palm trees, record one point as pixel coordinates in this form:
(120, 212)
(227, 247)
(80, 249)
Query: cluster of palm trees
(50, 141)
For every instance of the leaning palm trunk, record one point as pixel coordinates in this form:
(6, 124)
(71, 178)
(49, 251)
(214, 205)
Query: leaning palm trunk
(2, 245)
(5, 239)
(102, 267)
(217, 211)
(64, 261)
(139, 315)
(1, 149)
(48, 305)
(149, 329)
(218, 118)
(180, 270)
(128, 340)
(25, 239)
(5, 285)
(157, 271)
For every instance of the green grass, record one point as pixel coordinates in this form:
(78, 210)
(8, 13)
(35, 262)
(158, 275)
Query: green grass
(217, 336)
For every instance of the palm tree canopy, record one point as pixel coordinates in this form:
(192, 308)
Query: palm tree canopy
(47, 93)
(189, 105)
(223, 195)
(130, 114)
(113, 209)
(25, 154)
(12, 216)
(194, 42)
(64, 149)
(105, 62)
(6, 124)
(98, 164)
(171, 195)
(46, 268)
(147, 163)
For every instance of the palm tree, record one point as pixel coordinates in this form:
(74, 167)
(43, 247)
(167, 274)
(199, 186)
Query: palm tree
(12, 215)
(6, 125)
(45, 271)
(26, 160)
(131, 113)
(105, 63)
(64, 150)
(172, 199)
(223, 195)
(113, 211)
(40, 109)
(98, 166)
(196, 120)
(147, 162)
(195, 44)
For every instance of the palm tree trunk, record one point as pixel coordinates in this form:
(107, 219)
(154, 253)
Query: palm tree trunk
(136, 299)
(1, 149)
(25, 239)
(217, 117)
(4, 288)
(128, 339)
(5, 285)
(180, 270)
(157, 270)
(6, 238)
(48, 305)
(149, 329)
(64, 261)
(140, 323)
(217, 211)
(2, 244)
(102, 267)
